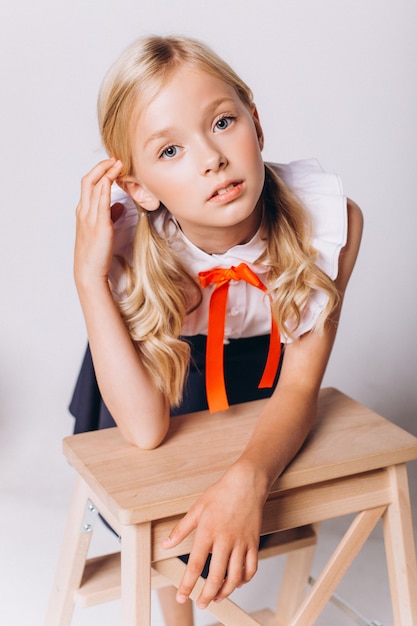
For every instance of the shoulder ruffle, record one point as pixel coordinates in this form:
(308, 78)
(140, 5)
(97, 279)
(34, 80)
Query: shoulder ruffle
(322, 195)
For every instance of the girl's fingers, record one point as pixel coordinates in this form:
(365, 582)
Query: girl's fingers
(114, 172)
(241, 570)
(94, 227)
(235, 575)
(228, 570)
(95, 187)
(180, 531)
(219, 571)
(195, 566)
(109, 167)
(251, 564)
(100, 206)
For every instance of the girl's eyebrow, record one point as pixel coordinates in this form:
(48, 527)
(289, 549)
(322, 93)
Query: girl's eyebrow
(164, 133)
(212, 106)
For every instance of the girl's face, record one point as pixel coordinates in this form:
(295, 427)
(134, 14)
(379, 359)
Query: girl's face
(197, 150)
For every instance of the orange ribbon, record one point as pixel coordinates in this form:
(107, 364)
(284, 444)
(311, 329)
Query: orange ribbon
(215, 386)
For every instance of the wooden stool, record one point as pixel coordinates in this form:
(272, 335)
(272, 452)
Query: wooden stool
(353, 462)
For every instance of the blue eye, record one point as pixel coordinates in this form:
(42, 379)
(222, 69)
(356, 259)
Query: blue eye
(223, 122)
(169, 152)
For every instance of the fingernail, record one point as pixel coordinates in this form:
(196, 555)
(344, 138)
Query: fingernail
(181, 598)
(202, 605)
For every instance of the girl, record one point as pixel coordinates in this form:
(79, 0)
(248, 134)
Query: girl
(191, 277)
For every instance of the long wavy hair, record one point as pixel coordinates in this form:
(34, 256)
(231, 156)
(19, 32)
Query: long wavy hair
(160, 290)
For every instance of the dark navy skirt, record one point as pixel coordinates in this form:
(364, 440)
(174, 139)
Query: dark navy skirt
(244, 362)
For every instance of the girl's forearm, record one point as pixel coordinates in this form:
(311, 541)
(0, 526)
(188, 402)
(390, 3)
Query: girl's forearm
(138, 407)
(289, 414)
(280, 432)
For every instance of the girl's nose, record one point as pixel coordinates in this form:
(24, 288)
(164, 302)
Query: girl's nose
(212, 158)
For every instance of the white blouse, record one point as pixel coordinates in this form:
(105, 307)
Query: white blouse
(248, 309)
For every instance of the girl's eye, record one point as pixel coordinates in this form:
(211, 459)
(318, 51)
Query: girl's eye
(223, 122)
(169, 152)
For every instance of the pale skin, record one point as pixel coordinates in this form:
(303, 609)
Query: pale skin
(198, 149)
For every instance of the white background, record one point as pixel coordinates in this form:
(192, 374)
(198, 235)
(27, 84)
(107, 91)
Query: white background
(336, 80)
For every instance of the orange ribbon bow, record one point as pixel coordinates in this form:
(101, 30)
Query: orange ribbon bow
(215, 386)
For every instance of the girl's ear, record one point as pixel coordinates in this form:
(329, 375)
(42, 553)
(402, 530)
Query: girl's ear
(258, 126)
(139, 193)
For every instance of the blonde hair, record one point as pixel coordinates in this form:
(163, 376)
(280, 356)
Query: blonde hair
(160, 289)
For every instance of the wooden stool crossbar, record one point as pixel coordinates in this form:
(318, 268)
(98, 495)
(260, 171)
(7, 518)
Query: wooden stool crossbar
(353, 462)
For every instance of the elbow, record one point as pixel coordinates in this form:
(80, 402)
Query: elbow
(146, 440)
(146, 443)
(145, 428)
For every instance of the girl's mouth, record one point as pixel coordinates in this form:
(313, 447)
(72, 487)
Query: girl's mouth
(227, 193)
(220, 192)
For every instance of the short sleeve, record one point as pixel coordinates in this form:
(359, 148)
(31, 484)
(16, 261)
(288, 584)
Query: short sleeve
(322, 195)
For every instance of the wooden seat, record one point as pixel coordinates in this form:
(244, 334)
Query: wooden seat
(353, 462)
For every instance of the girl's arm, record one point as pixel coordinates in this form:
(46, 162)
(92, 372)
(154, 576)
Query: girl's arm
(138, 407)
(228, 516)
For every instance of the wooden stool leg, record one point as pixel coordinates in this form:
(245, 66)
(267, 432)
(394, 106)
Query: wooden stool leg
(294, 584)
(136, 574)
(337, 566)
(72, 559)
(400, 549)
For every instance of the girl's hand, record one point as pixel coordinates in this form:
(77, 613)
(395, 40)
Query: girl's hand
(227, 519)
(94, 233)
